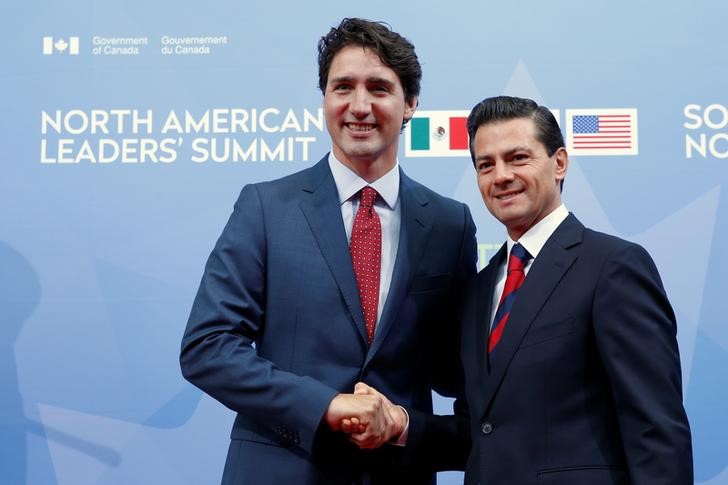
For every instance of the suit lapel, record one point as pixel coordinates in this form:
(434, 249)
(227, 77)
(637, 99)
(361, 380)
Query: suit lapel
(548, 269)
(415, 230)
(320, 206)
(486, 285)
(476, 328)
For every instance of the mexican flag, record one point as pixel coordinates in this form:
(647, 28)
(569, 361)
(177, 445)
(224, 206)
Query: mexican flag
(437, 134)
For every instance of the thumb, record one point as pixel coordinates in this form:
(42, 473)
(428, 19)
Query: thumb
(361, 388)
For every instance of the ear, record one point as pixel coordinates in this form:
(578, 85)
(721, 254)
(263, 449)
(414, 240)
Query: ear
(410, 105)
(561, 160)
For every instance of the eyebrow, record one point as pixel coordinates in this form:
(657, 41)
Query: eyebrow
(508, 153)
(519, 148)
(340, 79)
(380, 80)
(370, 80)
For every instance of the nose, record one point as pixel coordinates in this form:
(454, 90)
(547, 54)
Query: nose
(502, 173)
(360, 103)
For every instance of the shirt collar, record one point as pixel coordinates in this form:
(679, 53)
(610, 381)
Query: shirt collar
(349, 183)
(535, 238)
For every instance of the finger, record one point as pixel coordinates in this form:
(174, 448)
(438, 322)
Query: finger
(357, 426)
(363, 441)
(352, 425)
(373, 436)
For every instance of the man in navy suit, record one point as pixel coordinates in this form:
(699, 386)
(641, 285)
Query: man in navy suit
(579, 382)
(278, 332)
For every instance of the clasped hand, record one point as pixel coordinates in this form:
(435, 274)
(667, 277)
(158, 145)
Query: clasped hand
(367, 416)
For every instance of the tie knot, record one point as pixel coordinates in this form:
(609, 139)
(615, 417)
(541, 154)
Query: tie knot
(368, 196)
(519, 258)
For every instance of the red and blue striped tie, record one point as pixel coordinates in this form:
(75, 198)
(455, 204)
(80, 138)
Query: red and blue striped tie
(516, 263)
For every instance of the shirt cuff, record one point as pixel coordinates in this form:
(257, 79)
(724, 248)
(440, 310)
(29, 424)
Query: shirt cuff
(402, 438)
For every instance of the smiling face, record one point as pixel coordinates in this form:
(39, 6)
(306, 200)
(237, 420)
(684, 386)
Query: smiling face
(519, 182)
(365, 106)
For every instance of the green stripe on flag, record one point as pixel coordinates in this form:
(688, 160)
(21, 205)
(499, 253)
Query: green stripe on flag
(420, 134)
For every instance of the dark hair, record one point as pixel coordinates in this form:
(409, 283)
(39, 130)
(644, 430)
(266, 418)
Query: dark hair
(395, 51)
(502, 108)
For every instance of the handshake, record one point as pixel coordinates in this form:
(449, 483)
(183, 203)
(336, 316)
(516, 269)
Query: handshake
(368, 417)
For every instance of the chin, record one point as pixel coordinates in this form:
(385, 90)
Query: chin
(511, 222)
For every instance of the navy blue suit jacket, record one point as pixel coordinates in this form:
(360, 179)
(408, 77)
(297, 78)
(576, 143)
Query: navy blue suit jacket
(277, 330)
(585, 385)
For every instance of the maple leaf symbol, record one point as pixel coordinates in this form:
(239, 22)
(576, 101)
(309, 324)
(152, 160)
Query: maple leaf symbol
(61, 45)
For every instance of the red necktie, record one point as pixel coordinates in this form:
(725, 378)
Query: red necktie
(516, 263)
(366, 256)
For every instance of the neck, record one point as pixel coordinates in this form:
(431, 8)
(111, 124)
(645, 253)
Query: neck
(368, 169)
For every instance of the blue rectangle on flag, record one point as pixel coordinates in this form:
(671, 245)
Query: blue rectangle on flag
(586, 124)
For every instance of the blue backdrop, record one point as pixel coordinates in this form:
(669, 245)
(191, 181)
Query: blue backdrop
(129, 127)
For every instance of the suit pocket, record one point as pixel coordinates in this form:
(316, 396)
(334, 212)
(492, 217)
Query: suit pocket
(265, 437)
(431, 283)
(597, 475)
(539, 333)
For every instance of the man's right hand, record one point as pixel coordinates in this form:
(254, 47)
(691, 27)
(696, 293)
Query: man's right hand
(372, 412)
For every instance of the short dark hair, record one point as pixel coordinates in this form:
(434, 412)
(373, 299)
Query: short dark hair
(503, 108)
(395, 51)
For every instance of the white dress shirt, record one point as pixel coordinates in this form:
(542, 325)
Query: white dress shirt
(348, 185)
(533, 240)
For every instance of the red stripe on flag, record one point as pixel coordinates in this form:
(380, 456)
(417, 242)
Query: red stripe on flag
(458, 134)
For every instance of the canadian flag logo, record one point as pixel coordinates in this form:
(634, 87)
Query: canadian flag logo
(60, 46)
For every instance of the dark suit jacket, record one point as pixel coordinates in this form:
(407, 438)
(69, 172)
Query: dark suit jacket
(277, 330)
(585, 385)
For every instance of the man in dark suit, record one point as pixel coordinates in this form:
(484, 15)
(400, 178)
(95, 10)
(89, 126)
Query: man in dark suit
(287, 320)
(574, 377)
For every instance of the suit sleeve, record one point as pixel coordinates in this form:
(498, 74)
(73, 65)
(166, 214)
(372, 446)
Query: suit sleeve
(439, 443)
(218, 353)
(447, 375)
(434, 442)
(635, 331)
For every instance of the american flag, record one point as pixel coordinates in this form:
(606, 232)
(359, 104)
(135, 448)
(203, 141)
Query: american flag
(603, 132)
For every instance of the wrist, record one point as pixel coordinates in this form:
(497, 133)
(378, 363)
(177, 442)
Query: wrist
(402, 420)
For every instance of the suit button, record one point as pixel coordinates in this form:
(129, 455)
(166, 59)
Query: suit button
(486, 428)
